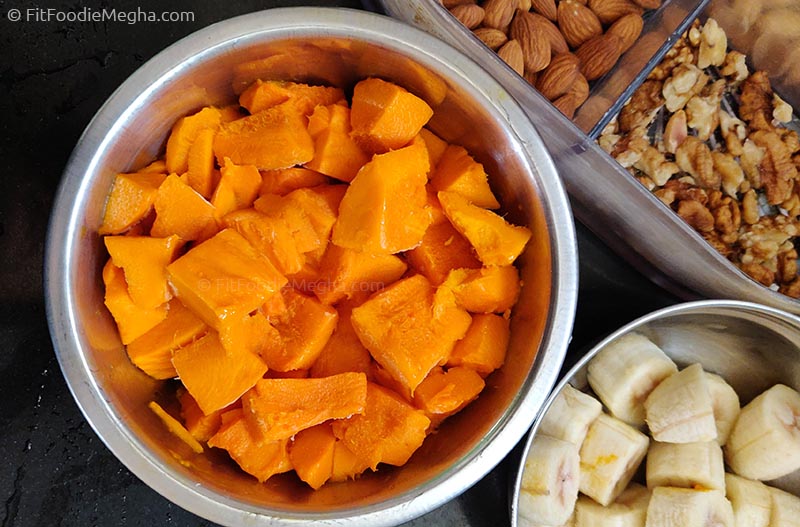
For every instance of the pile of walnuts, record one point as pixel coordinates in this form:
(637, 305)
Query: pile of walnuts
(707, 137)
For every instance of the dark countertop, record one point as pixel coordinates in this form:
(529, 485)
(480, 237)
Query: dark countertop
(54, 470)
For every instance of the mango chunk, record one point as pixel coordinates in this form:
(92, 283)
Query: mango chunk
(311, 454)
(346, 272)
(331, 116)
(271, 236)
(280, 408)
(184, 134)
(284, 180)
(258, 458)
(152, 352)
(131, 199)
(496, 241)
(484, 347)
(343, 352)
(389, 431)
(346, 465)
(237, 188)
(458, 172)
(213, 376)
(435, 145)
(441, 250)
(385, 207)
(270, 139)
(159, 166)
(262, 95)
(252, 333)
(144, 261)
(200, 174)
(201, 426)
(385, 116)
(487, 290)
(336, 154)
(443, 393)
(132, 320)
(216, 287)
(175, 426)
(182, 211)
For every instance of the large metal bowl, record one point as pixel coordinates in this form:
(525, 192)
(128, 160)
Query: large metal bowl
(750, 345)
(335, 46)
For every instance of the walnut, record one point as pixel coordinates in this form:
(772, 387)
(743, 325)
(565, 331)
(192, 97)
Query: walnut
(608, 142)
(643, 106)
(686, 81)
(764, 240)
(722, 246)
(750, 207)
(686, 190)
(629, 150)
(675, 131)
(791, 289)
(787, 264)
(667, 196)
(755, 99)
(680, 53)
(733, 130)
(781, 111)
(730, 172)
(694, 157)
(696, 215)
(727, 216)
(713, 45)
(655, 165)
(734, 68)
(646, 182)
(792, 206)
(790, 139)
(759, 273)
(750, 159)
(776, 168)
(702, 110)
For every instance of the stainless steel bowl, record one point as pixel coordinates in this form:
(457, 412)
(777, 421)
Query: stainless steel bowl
(336, 46)
(605, 198)
(751, 346)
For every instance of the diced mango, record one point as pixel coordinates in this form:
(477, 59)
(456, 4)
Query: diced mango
(200, 174)
(458, 172)
(346, 465)
(284, 180)
(159, 166)
(132, 321)
(252, 333)
(444, 393)
(262, 95)
(181, 210)
(330, 116)
(311, 454)
(484, 347)
(435, 145)
(487, 290)
(336, 154)
(343, 352)
(202, 427)
(175, 426)
(183, 135)
(130, 200)
(347, 271)
(271, 236)
(441, 250)
(237, 188)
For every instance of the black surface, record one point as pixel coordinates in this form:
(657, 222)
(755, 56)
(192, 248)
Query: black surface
(53, 469)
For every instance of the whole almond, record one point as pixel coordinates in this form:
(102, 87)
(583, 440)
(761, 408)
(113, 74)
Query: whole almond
(499, 13)
(648, 4)
(471, 15)
(452, 3)
(546, 8)
(627, 28)
(557, 43)
(511, 53)
(580, 89)
(524, 5)
(559, 76)
(535, 44)
(567, 105)
(598, 55)
(493, 38)
(608, 11)
(577, 23)
(531, 77)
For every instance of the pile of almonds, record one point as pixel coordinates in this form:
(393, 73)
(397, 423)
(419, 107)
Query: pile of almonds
(558, 47)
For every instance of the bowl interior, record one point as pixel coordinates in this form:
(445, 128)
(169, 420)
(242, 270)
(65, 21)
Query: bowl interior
(131, 130)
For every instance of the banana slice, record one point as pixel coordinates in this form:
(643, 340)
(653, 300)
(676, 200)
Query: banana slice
(725, 402)
(751, 501)
(785, 509)
(609, 456)
(674, 507)
(687, 465)
(765, 441)
(570, 415)
(629, 510)
(679, 410)
(549, 481)
(625, 372)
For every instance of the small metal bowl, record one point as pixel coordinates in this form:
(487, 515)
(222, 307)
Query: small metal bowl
(338, 47)
(751, 346)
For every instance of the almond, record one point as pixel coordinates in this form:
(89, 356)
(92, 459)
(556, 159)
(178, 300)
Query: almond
(577, 23)
(531, 77)
(567, 105)
(546, 8)
(535, 44)
(499, 13)
(627, 28)
(609, 11)
(580, 89)
(471, 15)
(559, 76)
(648, 4)
(557, 43)
(493, 38)
(598, 55)
(524, 5)
(511, 53)
(448, 4)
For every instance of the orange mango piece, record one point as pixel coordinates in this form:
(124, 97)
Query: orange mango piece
(262, 95)
(343, 352)
(237, 188)
(336, 154)
(403, 334)
(280, 408)
(175, 426)
(200, 173)
(458, 172)
(441, 250)
(181, 210)
(389, 430)
(487, 290)
(252, 333)
(385, 207)
(159, 166)
(346, 465)
(132, 321)
(444, 393)
(284, 180)
(484, 347)
(435, 145)
(213, 376)
(224, 276)
(144, 260)
(152, 352)
(130, 200)
(271, 236)
(331, 116)
(202, 427)
(385, 116)
(273, 138)
(311, 454)
(304, 330)
(183, 135)
(496, 241)
(258, 458)
(347, 271)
